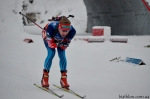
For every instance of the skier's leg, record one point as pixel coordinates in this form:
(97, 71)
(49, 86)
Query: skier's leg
(47, 65)
(63, 68)
(62, 59)
(49, 58)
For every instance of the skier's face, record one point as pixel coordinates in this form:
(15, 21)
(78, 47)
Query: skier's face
(64, 29)
(63, 33)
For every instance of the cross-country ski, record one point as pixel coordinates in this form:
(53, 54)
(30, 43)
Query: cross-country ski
(49, 91)
(70, 91)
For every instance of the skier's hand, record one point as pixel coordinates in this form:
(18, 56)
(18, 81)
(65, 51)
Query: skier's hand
(64, 44)
(51, 43)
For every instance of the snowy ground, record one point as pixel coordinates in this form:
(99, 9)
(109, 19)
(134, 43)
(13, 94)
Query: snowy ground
(89, 71)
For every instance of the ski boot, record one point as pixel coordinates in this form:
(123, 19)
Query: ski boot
(44, 81)
(63, 80)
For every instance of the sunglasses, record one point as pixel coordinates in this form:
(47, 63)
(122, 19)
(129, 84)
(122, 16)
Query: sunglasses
(64, 27)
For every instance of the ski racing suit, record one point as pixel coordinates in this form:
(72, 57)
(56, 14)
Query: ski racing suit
(50, 32)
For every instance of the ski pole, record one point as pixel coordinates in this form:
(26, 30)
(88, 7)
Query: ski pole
(54, 18)
(31, 20)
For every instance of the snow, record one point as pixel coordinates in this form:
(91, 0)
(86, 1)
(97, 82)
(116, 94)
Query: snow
(148, 1)
(59, 8)
(90, 72)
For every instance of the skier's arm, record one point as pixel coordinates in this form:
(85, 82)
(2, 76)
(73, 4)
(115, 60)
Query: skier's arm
(50, 31)
(49, 35)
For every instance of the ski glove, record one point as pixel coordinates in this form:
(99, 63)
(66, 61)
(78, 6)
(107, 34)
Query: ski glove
(51, 43)
(64, 44)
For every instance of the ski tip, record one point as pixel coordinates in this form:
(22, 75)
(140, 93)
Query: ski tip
(61, 96)
(84, 97)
